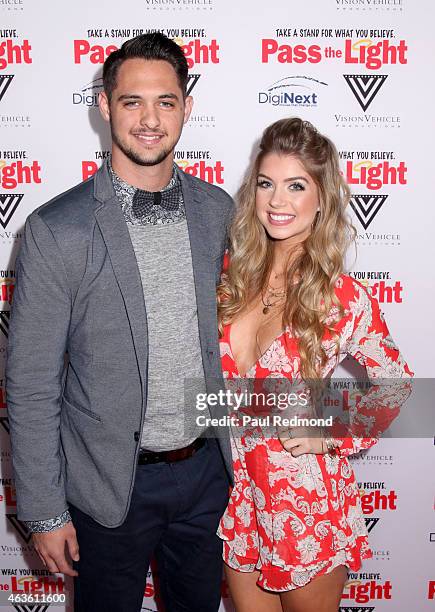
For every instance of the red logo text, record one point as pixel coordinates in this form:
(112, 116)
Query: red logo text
(374, 56)
(18, 173)
(362, 592)
(286, 54)
(375, 176)
(13, 53)
(375, 500)
(203, 170)
(7, 291)
(196, 52)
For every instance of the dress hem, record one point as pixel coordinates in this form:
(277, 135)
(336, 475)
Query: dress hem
(274, 574)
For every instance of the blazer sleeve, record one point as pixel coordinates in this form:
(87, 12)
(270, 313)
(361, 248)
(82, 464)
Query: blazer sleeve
(372, 346)
(40, 318)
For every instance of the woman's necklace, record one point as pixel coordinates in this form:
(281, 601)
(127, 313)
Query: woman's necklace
(272, 297)
(275, 312)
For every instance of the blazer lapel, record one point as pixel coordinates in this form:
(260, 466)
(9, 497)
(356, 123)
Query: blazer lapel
(205, 289)
(116, 236)
(202, 263)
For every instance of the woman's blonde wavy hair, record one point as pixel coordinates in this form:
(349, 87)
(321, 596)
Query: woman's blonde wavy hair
(314, 268)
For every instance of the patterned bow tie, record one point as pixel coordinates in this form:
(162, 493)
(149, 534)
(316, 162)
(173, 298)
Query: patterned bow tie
(144, 201)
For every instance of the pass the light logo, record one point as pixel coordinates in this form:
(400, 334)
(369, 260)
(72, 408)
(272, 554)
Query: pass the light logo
(366, 207)
(212, 173)
(376, 500)
(375, 176)
(197, 51)
(366, 587)
(292, 91)
(8, 205)
(29, 584)
(5, 81)
(365, 87)
(14, 173)
(12, 52)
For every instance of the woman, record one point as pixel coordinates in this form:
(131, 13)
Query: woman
(286, 310)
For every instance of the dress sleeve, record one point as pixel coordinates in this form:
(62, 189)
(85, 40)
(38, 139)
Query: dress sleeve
(226, 261)
(371, 344)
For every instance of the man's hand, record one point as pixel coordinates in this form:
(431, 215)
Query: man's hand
(51, 546)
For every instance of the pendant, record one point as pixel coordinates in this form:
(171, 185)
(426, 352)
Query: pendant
(265, 310)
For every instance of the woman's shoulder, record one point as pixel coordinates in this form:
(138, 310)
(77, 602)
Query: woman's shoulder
(347, 287)
(352, 294)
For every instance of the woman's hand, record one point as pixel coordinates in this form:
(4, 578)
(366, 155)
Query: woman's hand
(297, 442)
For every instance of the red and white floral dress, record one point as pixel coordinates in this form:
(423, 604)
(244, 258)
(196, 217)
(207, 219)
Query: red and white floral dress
(294, 518)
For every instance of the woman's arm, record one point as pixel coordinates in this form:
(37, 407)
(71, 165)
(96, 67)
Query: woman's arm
(371, 344)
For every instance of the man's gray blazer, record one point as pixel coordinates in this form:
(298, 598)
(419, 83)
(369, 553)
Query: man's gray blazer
(75, 431)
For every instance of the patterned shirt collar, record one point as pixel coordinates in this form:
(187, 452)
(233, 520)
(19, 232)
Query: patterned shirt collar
(125, 193)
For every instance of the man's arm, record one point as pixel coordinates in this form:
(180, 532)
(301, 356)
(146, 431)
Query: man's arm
(38, 335)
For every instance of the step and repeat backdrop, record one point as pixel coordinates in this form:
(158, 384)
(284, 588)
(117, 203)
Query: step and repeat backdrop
(362, 72)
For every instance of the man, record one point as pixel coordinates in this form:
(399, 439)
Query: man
(119, 273)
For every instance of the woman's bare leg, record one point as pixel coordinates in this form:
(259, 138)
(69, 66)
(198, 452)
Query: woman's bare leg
(322, 594)
(247, 596)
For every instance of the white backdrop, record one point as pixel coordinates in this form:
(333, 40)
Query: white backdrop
(361, 71)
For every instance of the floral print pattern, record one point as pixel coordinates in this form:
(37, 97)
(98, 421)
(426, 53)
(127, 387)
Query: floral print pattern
(294, 518)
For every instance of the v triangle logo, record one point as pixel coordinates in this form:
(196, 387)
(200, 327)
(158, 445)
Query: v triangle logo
(366, 207)
(370, 523)
(191, 82)
(4, 321)
(8, 205)
(5, 81)
(365, 87)
(356, 609)
(31, 607)
(19, 527)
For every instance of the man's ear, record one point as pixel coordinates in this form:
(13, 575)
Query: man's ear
(103, 103)
(188, 105)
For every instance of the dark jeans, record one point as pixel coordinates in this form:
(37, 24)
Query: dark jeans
(173, 516)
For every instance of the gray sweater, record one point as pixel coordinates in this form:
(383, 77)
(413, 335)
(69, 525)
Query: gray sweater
(165, 265)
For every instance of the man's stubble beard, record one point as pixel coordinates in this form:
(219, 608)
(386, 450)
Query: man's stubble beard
(135, 157)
